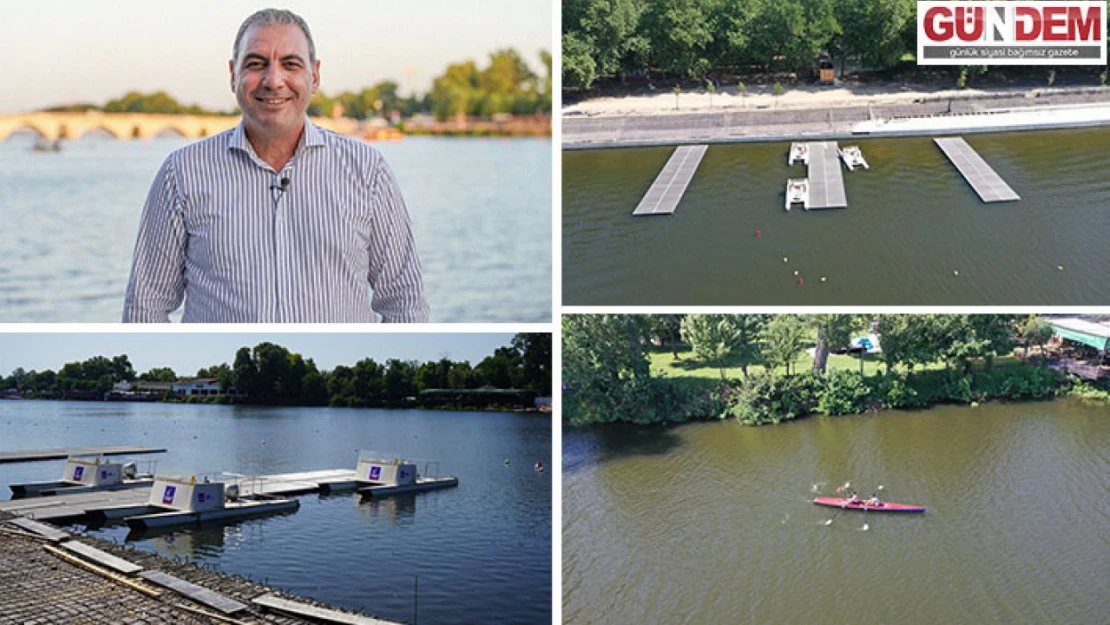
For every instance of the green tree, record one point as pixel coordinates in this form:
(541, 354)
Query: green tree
(793, 30)
(783, 337)
(607, 371)
(579, 68)
(667, 328)
(719, 339)
(159, 374)
(679, 32)
(456, 91)
(1035, 331)
(601, 37)
(906, 340)
(400, 381)
(535, 361)
(833, 332)
(460, 375)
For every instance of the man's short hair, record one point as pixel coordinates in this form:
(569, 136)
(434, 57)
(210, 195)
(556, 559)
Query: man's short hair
(274, 17)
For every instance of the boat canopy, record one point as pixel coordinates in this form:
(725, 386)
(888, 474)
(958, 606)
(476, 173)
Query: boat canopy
(1082, 331)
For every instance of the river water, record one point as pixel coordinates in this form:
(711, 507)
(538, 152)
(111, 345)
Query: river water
(713, 522)
(481, 212)
(911, 224)
(482, 551)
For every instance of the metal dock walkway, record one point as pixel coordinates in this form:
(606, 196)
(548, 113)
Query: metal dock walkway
(826, 180)
(988, 184)
(62, 454)
(663, 196)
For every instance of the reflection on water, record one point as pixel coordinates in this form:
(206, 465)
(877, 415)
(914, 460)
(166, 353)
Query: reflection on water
(481, 213)
(392, 510)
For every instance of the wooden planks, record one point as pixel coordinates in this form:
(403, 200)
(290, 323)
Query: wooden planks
(41, 529)
(982, 178)
(61, 454)
(101, 557)
(664, 194)
(212, 599)
(303, 609)
(826, 179)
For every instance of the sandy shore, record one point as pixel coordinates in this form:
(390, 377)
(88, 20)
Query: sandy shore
(794, 98)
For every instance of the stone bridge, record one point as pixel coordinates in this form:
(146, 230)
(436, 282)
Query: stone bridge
(72, 126)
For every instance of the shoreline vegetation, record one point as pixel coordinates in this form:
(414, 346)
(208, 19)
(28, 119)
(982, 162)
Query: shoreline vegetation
(756, 368)
(651, 73)
(504, 98)
(270, 375)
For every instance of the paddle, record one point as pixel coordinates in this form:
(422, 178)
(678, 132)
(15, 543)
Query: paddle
(865, 525)
(839, 490)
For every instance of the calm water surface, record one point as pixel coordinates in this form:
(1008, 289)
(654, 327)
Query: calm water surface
(481, 212)
(713, 522)
(911, 223)
(482, 550)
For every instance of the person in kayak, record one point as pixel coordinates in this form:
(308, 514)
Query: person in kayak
(854, 499)
(874, 501)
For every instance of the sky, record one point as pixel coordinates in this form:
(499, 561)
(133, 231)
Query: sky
(185, 353)
(65, 51)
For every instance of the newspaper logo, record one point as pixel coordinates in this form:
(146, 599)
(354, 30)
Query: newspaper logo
(78, 473)
(167, 496)
(375, 473)
(1011, 33)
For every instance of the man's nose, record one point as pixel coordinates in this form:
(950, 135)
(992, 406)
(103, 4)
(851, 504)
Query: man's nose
(274, 76)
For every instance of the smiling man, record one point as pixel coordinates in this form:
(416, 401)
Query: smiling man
(276, 220)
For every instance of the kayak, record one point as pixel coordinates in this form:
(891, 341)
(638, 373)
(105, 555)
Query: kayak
(838, 502)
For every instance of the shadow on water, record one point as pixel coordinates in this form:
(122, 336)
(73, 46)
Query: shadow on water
(598, 444)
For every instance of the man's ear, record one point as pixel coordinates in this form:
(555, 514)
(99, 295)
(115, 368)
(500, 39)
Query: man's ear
(231, 70)
(316, 76)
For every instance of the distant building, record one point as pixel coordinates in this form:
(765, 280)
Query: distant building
(198, 387)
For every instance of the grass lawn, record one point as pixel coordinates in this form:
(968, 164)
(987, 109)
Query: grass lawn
(663, 363)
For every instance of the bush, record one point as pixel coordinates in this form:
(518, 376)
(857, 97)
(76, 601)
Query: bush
(769, 398)
(843, 392)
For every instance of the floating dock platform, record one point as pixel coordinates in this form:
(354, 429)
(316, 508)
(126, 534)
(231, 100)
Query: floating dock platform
(826, 179)
(62, 454)
(664, 194)
(982, 178)
(85, 474)
(853, 158)
(797, 192)
(798, 152)
(103, 506)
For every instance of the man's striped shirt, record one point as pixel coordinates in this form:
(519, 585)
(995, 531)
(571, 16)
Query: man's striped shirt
(221, 232)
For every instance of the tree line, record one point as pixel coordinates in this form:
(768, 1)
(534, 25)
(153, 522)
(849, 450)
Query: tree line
(690, 38)
(271, 374)
(505, 85)
(606, 363)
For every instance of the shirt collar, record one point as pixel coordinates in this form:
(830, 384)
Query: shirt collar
(313, 136)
